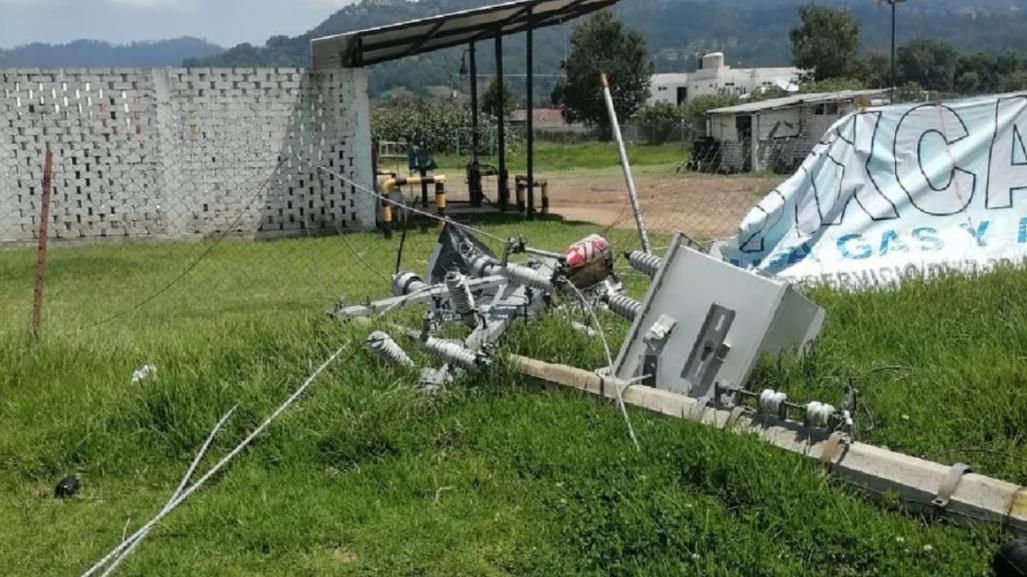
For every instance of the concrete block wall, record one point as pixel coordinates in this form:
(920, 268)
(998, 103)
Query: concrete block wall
(184, 153)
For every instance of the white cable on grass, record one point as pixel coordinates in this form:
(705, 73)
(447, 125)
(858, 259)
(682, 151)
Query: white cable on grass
(609, 359)
(178, 490)
(171, 506)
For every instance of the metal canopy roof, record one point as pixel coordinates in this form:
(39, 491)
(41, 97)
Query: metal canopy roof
(374, 45)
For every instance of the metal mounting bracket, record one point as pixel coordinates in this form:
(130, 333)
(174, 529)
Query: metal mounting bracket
(949, 485)
(710, 350)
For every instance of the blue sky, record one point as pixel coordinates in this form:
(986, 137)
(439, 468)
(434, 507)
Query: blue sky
(226, 22)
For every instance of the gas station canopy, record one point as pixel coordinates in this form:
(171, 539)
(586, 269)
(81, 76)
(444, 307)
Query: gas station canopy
(375, 45)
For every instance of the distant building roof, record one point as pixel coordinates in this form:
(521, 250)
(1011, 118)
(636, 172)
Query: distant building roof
(796, 100)
(541, 116)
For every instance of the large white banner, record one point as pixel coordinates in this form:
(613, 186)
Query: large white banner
(898, 191)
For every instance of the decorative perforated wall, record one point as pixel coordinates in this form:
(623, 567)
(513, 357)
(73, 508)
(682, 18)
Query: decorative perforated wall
(184, 153)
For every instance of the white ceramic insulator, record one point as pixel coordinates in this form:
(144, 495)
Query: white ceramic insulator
(527, 276)
(461, 298)
(459, 293)
(819, 414)
(381, 343)
(406, 283)
(648, 264)
(483, 265)
(451, 352)
(772, 402)
(624, 306)
(584, 329)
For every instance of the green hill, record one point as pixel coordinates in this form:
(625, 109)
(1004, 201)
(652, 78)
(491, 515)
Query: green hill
(750, 32)
(92, 53)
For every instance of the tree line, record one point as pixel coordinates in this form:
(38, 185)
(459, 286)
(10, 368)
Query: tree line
(826, 42)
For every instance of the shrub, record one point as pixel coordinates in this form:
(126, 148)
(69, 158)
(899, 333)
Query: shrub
(660, 121)
(441, 126)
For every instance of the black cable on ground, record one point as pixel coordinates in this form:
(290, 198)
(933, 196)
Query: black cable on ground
(402, 241)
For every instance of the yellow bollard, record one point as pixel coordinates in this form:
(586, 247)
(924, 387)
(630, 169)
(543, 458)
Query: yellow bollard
(440, 201)
(387, 219)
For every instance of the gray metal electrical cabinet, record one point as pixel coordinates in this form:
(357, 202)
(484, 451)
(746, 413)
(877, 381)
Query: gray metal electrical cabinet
(705, 321)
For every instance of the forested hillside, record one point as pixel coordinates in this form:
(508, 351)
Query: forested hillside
(86, 53)
(750, 32)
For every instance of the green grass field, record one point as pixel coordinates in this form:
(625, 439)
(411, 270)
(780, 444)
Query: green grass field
(557, 157)
(495, 475)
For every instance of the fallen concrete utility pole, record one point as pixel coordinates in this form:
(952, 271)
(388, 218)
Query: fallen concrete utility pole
(924, 486)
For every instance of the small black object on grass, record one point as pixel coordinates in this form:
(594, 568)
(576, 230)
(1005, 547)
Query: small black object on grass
(1011, 559)
(67, 487)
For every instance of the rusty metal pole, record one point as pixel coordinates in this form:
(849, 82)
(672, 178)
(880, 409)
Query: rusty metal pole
(44, 225)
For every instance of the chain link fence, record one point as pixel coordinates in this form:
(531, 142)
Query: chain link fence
(102, 284)
(167, 209)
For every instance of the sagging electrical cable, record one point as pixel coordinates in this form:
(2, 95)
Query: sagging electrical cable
(364, 189)
(188, 269)
(404, 218)
(172, 505)
(609, 358)
(117, 561)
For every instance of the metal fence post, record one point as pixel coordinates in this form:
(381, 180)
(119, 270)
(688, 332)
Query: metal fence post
(44, 226)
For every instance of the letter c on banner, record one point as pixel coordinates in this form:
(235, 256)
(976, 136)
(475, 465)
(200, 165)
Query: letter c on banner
(933, 179)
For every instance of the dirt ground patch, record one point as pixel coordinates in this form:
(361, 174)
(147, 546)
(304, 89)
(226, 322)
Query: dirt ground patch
(704, 206)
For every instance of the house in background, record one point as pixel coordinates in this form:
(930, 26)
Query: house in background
(775, 134)
(550, 125)
(713, 77)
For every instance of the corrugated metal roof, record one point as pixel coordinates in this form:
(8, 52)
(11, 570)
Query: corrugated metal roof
(374, 45)
(795, 100)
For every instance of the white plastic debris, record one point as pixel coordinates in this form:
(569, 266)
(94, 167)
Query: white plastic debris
(142, 373)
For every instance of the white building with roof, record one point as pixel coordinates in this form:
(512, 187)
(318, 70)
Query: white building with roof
(716, 78)
(775, 134)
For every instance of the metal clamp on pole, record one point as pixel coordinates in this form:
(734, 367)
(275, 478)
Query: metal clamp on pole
(732, 418)
(949, 485)
(833, 448)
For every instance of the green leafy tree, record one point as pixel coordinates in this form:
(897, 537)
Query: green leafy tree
(825, 43)
(1007, 63)
(497, 98)
(767, 93)
(602, 44)
(695, 113)
(930, 63)
(877, 69)
(976, 73)
(660, 121)
(833, 85)
(968, 83)
(910, 92)
(1014, 81)
(439, 126)
(556, 96)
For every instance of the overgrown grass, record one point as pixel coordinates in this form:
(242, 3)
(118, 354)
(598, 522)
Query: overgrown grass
(494, 475)
(559, 157)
